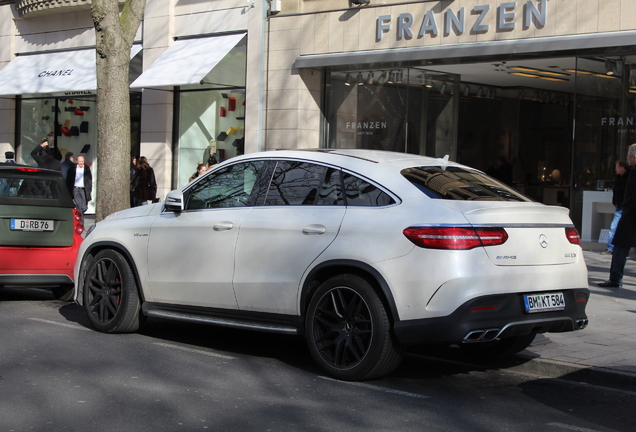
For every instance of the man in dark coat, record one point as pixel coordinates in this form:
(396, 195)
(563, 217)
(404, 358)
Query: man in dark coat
(625, 236)
(79, 182)
(620, 182)
(41, 154)
(68, 163)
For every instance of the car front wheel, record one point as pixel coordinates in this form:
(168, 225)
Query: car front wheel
(349, 331)
(111, 299)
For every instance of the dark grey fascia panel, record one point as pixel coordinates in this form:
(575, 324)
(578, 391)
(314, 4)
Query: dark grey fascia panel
(475, 49)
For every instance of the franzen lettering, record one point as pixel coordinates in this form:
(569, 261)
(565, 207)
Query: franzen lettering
(617, 121)
(55, 73)
(535, 13)
(365, 125)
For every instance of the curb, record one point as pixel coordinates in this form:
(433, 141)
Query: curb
(604, 377)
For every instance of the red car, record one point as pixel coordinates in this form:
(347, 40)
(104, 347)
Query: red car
(40, 229)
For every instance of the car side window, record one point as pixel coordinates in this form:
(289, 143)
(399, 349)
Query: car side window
(229, 187)
(296, 183)
(360, 192)
(331, 189)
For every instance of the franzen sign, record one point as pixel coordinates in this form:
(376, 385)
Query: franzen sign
(535, 12)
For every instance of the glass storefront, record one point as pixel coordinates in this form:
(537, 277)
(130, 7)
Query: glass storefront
(211, 116)
(559, 129)
(70, 123)
(405, 110)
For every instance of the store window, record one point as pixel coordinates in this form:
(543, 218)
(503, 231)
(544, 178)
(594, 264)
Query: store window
(408, 110)
(211, 116)
(69, 122)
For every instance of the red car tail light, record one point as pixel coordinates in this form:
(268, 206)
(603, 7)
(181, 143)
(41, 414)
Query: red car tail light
(573, 235)
(79, 227)
(455, 238)
(28, 169)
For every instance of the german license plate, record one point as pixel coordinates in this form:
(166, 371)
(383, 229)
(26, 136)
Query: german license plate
(31, 225)
(544, 302)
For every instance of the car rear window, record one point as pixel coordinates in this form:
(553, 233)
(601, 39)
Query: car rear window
(29, 188)
(457, 183)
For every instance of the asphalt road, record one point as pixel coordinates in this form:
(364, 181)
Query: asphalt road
(56, 374)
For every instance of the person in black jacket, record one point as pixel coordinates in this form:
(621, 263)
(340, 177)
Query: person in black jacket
(620, 181)
(41, 154)
(625, 237)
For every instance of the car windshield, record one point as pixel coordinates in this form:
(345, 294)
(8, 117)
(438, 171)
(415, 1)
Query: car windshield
(457, 183)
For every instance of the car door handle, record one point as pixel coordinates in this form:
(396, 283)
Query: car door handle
(223, 226)
(314, 230)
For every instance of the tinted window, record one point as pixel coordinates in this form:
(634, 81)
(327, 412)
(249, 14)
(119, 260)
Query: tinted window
(232, 186)
(331, 189)
(360, 192)
(456, 183)
(17, 189)
(295, 183)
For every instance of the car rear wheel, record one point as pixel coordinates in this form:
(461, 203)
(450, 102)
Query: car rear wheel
(349, 331)
(498, 349)
(110, 294)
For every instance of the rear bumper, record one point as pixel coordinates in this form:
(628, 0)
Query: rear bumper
(475, 321)
(38, 265)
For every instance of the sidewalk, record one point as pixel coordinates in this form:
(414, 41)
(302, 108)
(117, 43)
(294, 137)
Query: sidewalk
(608, 344)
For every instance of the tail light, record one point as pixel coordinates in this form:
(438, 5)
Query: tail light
(573, 235)
(79, 227)
(455, 238)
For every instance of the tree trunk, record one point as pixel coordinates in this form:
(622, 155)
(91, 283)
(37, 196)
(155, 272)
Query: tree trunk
(114, 37)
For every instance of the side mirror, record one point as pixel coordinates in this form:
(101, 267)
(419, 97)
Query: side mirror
(174, 201)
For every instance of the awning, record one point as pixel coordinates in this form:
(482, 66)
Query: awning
(476, 49)
(53, 72)
(187, 61)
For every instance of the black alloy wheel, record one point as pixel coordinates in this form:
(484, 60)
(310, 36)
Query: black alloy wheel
(349, 332)
(111, 299)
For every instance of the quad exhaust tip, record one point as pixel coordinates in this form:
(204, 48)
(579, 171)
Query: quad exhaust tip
(581, 324)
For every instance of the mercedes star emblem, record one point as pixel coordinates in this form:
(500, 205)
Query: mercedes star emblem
(543, 241)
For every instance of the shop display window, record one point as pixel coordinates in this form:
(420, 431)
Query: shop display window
(404, 110)
(69, 124)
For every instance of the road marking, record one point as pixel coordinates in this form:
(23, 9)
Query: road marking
(378, 388)
(572, 428)
(207, 353)
(73, 326)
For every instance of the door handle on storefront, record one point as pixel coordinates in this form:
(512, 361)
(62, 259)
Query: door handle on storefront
(223, 226)
(314, 230)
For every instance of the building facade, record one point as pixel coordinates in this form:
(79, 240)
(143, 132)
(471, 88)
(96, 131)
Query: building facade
(537, 92)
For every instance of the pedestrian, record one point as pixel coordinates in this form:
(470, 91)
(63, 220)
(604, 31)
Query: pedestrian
(201, 168)
(133, 178)
(10, 157)
(69, 161)
(620, 181)
(145, 182)
(79, 182)
(43, 156)
(625, 236)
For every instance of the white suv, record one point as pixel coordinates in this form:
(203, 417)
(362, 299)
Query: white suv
(362, 252)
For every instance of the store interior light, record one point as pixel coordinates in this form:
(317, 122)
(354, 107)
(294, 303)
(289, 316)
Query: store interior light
(398, 77)
(360, 78)
(609, 67)
(382, 78)
(429, 82)
(370, 78)
(466, 91)
(391, 79)
(443, 89)
(348, 79)
(480, 92)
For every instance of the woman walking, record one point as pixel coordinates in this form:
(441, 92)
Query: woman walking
(145, 188)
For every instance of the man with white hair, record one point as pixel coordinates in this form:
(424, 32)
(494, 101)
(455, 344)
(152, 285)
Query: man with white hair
(625, 236)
